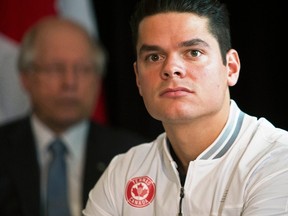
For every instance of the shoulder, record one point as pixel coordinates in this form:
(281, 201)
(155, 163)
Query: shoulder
(271, 134)
(13, 127)
(15, 136)
(142, 160)
(264, 142)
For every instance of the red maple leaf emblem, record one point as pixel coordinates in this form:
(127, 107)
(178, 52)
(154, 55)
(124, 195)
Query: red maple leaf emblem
(139, 191)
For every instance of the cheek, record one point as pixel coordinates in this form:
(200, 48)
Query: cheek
(29, 82)
(91, 90)
(214, 76)
(42, 89)
(144, 85)
(140, 82)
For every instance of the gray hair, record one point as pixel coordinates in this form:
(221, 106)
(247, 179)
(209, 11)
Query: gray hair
(27, 53)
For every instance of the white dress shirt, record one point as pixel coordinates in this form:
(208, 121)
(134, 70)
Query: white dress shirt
(75, 141)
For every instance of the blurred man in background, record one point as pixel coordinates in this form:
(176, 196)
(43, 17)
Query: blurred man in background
(61, 68)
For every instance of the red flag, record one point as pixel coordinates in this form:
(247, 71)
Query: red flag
(16, 17)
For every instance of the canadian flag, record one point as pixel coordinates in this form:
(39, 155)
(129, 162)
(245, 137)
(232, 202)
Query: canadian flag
(16, 17)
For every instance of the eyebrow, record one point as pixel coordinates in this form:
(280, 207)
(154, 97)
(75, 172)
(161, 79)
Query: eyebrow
(192, 42)
(147, 48)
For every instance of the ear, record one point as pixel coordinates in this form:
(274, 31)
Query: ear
(233, 66)
(137, 77)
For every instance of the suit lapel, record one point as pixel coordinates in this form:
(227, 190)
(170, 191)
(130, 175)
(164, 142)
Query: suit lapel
(27, 173)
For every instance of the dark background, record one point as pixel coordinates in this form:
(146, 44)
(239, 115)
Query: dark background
(257, 34)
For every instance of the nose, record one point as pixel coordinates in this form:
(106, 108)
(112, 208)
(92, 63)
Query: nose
(70, 76)
(173, 68)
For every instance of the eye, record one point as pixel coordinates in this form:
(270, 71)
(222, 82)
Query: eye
(154, 57)
(194, 53)
(53, 69)
(83, 69)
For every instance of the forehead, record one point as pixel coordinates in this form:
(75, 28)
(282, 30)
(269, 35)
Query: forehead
(60, 33)
(62, 40)
(172, 27)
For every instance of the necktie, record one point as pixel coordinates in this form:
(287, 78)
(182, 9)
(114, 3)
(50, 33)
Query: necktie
(57, 202)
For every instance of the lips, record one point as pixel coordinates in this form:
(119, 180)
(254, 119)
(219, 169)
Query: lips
(175, 92)
(67, 101)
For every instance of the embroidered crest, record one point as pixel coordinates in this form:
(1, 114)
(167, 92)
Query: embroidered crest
(140, 191)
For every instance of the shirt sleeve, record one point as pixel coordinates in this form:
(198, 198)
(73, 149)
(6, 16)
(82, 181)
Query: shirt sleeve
(101, 201)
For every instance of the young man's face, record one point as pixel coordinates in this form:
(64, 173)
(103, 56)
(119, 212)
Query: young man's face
(179, 69)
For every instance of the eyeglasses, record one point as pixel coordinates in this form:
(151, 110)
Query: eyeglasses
(58, 70)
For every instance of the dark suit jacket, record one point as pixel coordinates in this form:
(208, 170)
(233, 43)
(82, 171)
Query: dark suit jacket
(19, 170)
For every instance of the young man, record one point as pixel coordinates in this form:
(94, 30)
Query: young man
(213, 158)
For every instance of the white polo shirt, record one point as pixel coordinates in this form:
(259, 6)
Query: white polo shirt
(244, 172)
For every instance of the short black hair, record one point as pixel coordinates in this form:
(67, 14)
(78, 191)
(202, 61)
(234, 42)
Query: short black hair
(216, 12)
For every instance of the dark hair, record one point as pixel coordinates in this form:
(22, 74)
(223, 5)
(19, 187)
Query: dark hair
(214, 10)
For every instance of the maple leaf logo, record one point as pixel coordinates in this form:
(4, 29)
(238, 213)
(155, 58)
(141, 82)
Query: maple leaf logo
(139, 191)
